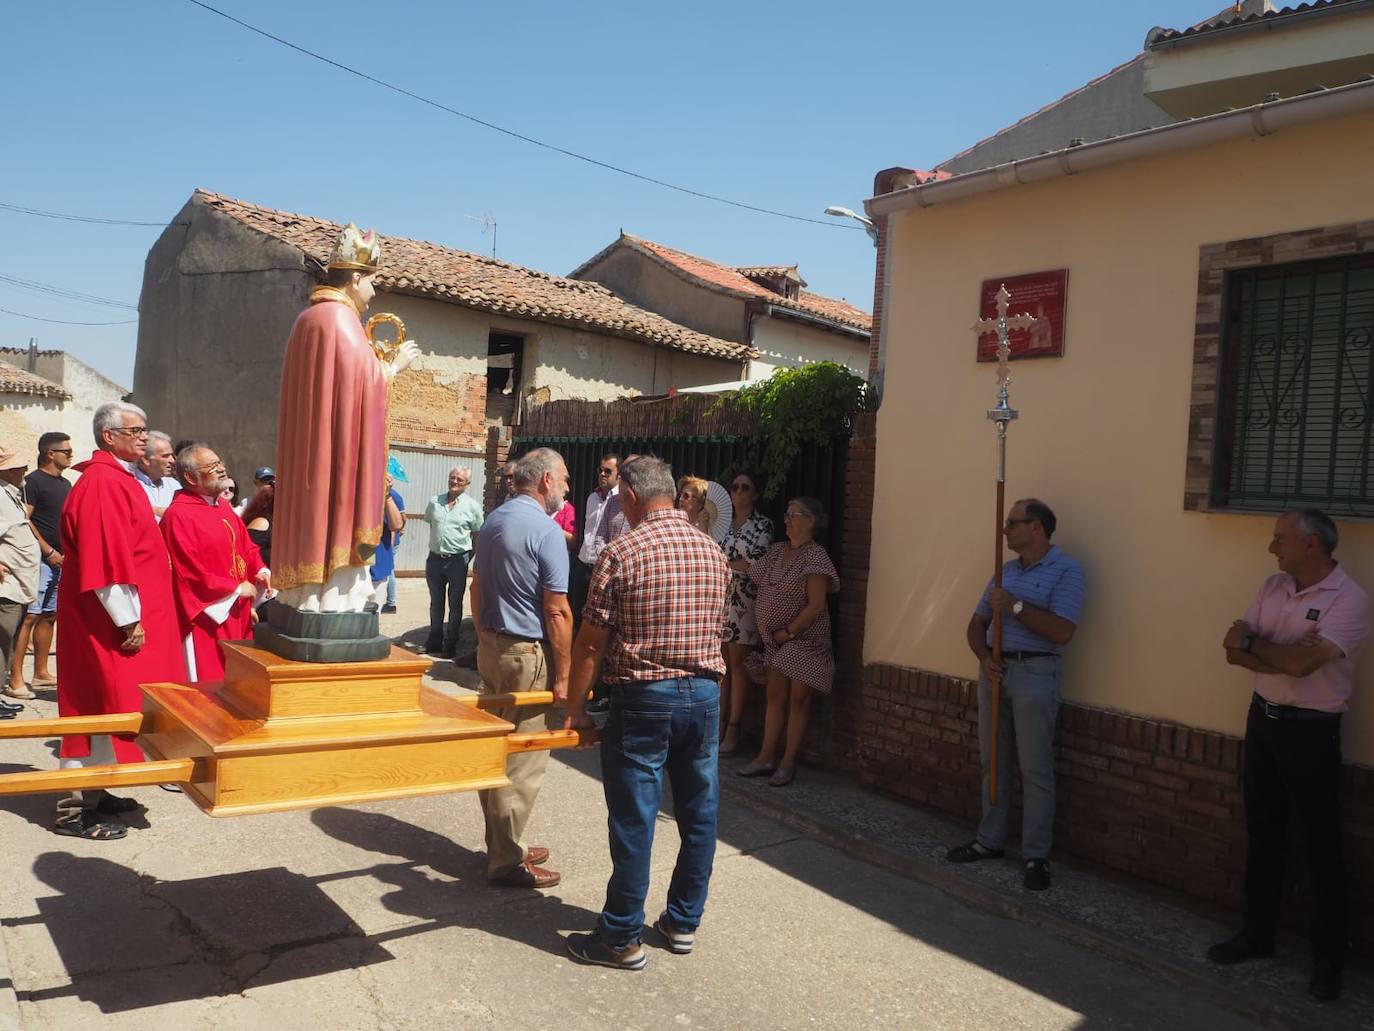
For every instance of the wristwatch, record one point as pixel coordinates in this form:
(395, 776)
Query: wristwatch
(1246, 642)
(1017, 607)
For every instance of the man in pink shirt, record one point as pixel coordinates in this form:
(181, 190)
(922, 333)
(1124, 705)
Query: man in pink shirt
(1300, 637)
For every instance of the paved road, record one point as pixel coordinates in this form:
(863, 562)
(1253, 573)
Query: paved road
(378, 917)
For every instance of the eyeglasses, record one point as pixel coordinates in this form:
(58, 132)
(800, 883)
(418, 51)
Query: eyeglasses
(61, 450)
(133, 431)
(797, 515)
(1016, 522)
(605, 472)
(741, 485)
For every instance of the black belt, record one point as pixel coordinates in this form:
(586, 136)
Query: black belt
(1289, 712)
(1023, 656)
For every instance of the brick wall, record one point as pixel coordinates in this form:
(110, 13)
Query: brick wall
(1154, 799)
(431, 412)
(498, 447)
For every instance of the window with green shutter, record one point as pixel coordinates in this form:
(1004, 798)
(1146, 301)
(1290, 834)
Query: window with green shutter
(1294, 414)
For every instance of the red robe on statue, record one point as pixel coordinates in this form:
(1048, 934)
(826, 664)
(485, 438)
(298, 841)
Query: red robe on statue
(109, 536)
(331, 446)
(211, 556)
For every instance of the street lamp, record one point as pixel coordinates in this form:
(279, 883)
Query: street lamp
(867, 222)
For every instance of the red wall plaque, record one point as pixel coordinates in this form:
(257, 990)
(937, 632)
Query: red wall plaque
(1042, 294)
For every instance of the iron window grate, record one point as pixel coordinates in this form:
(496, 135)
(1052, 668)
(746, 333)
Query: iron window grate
(1294, 417)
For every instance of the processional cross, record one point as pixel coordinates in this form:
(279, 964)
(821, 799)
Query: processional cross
(1000, 414)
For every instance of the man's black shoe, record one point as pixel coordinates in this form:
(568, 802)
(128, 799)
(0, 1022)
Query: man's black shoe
(8, 714)
(10, 707)
(1037, 875)
(388, 610)
(1325, 985)
(1239, 950)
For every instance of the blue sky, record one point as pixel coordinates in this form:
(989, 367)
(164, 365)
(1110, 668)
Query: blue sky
(121, 110)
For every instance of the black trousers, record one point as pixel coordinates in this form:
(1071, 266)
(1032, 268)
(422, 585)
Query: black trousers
(447, 576)
(1294, 764)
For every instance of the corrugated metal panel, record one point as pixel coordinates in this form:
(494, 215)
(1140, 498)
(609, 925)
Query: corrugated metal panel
(428, 472)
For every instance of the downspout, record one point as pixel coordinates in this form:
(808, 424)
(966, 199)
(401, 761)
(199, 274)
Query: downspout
(751, 312)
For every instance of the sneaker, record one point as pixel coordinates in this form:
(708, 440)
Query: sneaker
(388, 610)
(589, 948)
(1037, 874)
(679, 942)
(972, 852)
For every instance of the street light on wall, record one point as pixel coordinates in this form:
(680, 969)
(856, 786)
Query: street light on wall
(867, 222)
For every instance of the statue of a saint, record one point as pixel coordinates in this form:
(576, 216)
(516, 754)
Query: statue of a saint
(332, 439)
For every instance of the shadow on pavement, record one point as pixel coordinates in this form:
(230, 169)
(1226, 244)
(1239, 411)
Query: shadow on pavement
(130, 942)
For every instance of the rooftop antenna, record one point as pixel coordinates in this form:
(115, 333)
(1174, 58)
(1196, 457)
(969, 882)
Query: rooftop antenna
(488, 221)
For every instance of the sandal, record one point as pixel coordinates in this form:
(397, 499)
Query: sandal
(113, 805)
(23, 694)
(729, 744)
(782, 777)
(92, 828)
(756, 771)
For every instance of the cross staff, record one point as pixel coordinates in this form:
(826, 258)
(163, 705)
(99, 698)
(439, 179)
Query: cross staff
(1001, 414)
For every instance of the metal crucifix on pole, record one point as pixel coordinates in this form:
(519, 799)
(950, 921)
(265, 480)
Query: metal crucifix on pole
(1000, 414)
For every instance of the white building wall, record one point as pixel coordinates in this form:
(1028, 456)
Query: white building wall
(786, 344)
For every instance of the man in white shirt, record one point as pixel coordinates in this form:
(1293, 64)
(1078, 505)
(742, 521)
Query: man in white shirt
(156, 472)
(19, 562)
(602, 504)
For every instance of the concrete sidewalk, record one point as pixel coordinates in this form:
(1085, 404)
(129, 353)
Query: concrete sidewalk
(1132, 922)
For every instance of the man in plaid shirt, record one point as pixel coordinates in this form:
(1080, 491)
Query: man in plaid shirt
(652, 630)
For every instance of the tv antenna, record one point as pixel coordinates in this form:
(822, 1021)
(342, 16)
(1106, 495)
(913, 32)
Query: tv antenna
(488, 221)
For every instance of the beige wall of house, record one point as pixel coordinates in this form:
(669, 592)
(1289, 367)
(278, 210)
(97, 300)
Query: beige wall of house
(787, 344)
(1103, 431)
(643, 281)
(567, 363)
(24, 418)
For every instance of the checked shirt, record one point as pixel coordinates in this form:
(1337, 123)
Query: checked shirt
(660, 588)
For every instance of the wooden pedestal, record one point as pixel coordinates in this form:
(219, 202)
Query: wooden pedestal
(278, 734)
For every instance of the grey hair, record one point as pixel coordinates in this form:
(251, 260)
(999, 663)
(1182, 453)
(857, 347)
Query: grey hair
(186, 459)
(649, 478)
(111, 417)
(155, 435)
(1313, 522)
(530, 468)
(812, 507)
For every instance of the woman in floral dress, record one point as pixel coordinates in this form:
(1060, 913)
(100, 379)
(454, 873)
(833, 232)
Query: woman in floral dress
(793, 579)
(750, 535)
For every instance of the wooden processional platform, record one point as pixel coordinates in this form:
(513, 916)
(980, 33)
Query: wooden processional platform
(279, 734)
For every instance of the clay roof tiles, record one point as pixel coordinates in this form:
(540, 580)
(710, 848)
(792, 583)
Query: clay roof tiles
(20, 381)
(1228, 18)
(424, 269)
(734, 280)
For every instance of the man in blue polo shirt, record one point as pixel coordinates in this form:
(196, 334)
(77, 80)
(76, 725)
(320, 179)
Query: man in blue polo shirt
(1040, 599)
(524, 643)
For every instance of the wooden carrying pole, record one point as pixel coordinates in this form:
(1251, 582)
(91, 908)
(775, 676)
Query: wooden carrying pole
(1001, 414)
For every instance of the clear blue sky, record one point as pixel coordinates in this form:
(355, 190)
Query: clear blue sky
(121, 110)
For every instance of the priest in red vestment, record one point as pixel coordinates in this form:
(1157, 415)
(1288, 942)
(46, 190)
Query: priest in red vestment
(332, 439)
(114, 605)
(217, 571)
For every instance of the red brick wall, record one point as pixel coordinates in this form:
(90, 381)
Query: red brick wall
(1150, 798)
(498, 448)
(432, 414)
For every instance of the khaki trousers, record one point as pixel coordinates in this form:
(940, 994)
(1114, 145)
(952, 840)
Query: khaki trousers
(513, 664)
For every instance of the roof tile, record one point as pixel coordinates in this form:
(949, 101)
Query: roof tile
(20, 381)
(424, 269)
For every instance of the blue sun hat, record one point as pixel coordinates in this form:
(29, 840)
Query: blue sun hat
(396, 470)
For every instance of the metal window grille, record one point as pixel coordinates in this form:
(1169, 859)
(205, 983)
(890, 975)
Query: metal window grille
(1294, 418)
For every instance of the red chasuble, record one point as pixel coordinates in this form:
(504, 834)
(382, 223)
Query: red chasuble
(331, 448)
(109, 536)
(211, 555)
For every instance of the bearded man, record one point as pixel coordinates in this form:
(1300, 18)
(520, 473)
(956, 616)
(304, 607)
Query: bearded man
(115, 606)
(217, 570)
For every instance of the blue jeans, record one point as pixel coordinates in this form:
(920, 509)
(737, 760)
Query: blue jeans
(658, 726)
(1029, 706)
(447, 576)
(391, 590)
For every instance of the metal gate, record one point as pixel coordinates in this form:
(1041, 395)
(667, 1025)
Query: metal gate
(428, 475)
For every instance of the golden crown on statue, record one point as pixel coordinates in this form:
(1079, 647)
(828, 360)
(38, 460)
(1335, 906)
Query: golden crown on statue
(357, 250)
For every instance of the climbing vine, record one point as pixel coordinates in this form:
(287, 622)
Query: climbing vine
(796, 409)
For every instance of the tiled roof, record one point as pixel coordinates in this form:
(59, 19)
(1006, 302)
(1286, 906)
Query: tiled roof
(19, 381)
(1227, 18)
(767, 272)
(424, 269)
(734, 281)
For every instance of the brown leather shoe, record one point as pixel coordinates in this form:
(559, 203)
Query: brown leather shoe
(526, 875)
(536, 856)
